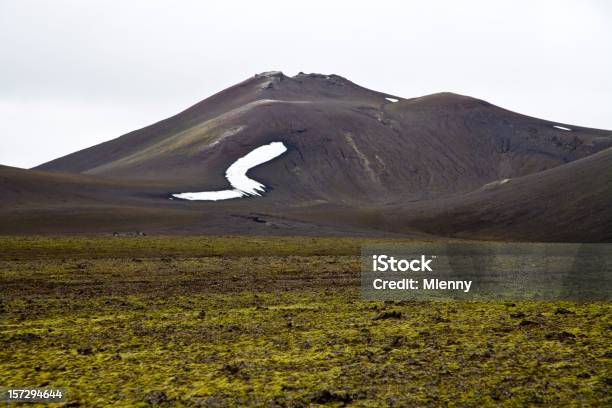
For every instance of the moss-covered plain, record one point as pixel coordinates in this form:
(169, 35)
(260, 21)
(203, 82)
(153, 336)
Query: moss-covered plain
(177, 321)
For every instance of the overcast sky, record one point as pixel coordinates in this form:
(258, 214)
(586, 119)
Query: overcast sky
(76, 73)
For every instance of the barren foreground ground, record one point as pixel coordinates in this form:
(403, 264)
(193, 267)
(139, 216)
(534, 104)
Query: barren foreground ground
(206, 321)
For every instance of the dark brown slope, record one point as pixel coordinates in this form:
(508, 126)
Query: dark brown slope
(357, 163)
(20, 187)
(572, 202)
(87, 159)
(199, 122)
(347, 145)
(569, 203)
(37, 202)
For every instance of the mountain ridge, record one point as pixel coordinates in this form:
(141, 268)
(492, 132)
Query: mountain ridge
(348, 147)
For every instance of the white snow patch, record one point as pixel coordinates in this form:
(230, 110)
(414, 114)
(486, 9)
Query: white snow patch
(562, 128)
(392, 100)
(236, 175)
(210, 195)
(496, 183)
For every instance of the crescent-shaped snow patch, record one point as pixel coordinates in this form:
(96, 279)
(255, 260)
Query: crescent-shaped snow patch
(562, 128)
(236, 175)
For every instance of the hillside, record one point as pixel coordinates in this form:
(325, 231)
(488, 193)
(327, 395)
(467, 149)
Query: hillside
(347, 144)
(353, 161)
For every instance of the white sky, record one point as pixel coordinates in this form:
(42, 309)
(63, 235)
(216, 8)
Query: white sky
(76, 73)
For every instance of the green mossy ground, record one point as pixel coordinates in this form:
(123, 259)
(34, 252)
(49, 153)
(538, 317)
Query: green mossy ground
(275, 322)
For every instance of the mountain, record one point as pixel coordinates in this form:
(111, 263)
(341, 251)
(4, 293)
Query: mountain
(357, 161)
(569, 203)
(346, 143)
(566, 203)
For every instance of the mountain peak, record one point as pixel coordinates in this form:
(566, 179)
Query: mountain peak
(333, 78)
(270, 74)
(279, 76)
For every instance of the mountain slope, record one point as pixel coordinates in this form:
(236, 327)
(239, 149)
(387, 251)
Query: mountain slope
(357, 162)
(347, 144)
(38, 202)
(567, 203)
